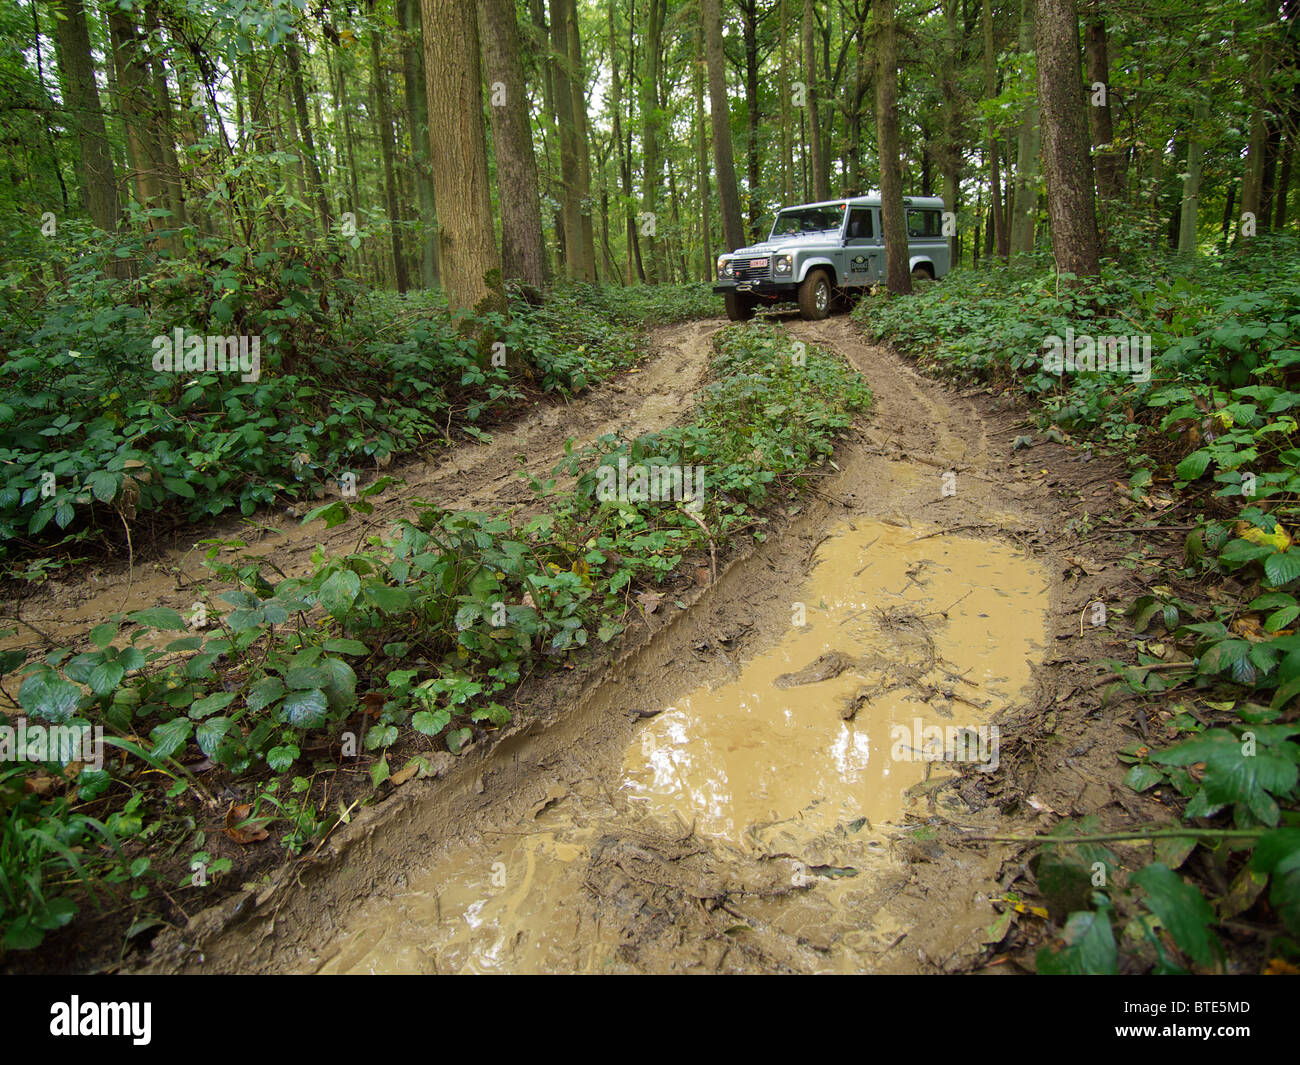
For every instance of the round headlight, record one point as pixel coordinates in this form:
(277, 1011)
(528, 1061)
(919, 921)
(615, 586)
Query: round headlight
(724, 267)
(783, 263)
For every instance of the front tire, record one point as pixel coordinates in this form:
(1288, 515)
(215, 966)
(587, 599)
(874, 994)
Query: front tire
(740, 306)
(815, 296)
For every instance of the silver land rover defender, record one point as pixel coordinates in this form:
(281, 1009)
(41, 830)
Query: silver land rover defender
(820, 252)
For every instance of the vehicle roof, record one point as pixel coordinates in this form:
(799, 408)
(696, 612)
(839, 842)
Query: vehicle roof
(871, 199)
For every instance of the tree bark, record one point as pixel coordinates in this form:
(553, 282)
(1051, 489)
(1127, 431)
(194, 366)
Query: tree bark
(408, 14)
(1109, 187)
(999, 226)
(568, 136)
(384, 124)
(1025, 198)
(702, 160)
(1071, 203)
(523, 255)
(733, 232)
(577, 84)
(85, 115)
(820, 179)
(471, 266)
(1191, 201)
(652, 164)
(893, 221)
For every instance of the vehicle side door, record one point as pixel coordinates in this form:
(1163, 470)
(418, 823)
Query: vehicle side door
(925, 237)
(863, 255)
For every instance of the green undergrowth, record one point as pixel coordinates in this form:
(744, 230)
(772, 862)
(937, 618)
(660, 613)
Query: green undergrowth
(295, 699)
(93, 437)
(1211, 444)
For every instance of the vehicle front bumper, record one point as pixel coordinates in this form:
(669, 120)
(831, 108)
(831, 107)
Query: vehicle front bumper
(765, 288)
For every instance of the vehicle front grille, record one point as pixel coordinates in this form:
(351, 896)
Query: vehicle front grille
(745, 272)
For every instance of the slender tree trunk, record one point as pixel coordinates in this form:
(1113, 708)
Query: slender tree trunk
(652, 164)
(999, 224)
(733, 231)
(898, 274)
(384, 118)
(702, 160)
(1071, 203)
(1109, 190)
(787, 161)
(568, 129)
(1025, 200)
(165, 127)
(95, 170)
(471, 266)
(133, 93)
(293, 59)
(578, 83)
(951, 121)
(820, 179)
(408, 14)
(623, 162)
(749, 22)
(523, 255)
(1284, 180)
(1191, 201)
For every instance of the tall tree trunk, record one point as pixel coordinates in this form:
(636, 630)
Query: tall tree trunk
(133, 93)
(85, 115)
(999, 222)
(623, 160)
(408, 14)
(787, 161)
(952, 139)
(384, 120)
(749, 22)
(578, 85)
(568, 136)
(893, 221)
(652, 164)
(471, 266)
(1071, 204)
(702, 160)
(1109, 189)
(733, 231)
(1025, 199)
(820, 178)
(1284, 180)
(523, 255)
(293, 59)
(1191, 202)
(165, 126)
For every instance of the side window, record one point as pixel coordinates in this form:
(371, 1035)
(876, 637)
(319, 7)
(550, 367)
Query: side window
(859, 224)
(924, 223)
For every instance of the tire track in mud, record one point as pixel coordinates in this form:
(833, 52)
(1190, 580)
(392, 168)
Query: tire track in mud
(598, 883)
(467, 477)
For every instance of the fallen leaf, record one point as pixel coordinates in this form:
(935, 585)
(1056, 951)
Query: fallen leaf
(649, 601)
(238, 831)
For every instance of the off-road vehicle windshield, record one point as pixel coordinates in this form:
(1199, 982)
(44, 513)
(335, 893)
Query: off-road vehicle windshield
(801, 220)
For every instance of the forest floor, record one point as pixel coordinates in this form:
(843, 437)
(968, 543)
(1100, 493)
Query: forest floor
(727, 792)
(693, 805)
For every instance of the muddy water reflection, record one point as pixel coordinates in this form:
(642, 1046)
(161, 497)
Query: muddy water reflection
(800, 757)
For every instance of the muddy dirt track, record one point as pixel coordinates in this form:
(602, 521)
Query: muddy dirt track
(744, 787)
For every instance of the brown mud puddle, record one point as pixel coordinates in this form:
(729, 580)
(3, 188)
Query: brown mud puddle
(930, 637)
(724, 793)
